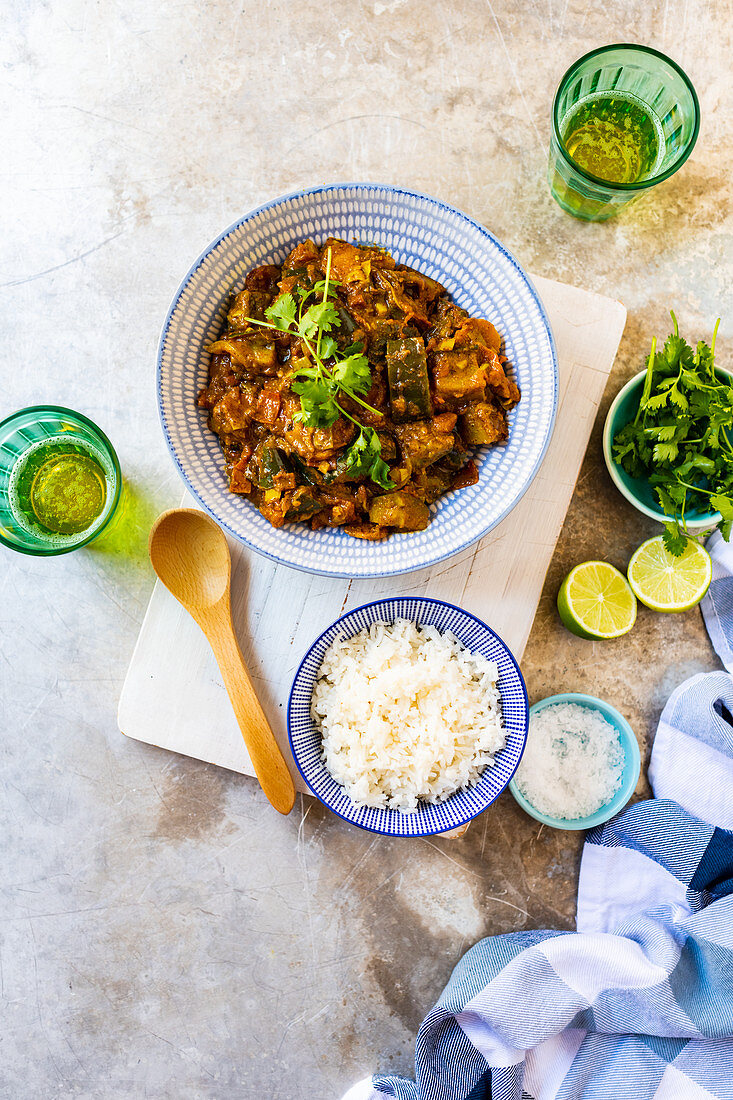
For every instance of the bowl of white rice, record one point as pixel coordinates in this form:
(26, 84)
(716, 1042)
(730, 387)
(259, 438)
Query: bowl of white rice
(408, 716)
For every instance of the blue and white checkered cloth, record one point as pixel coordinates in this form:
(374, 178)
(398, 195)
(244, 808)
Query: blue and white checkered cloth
(638, 1003)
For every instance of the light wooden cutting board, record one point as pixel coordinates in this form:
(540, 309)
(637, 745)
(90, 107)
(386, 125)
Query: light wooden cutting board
(173, 696)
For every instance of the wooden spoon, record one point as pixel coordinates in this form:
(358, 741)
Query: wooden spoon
(190, 555)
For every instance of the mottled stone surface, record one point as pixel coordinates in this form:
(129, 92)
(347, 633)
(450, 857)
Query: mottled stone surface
(163, 933)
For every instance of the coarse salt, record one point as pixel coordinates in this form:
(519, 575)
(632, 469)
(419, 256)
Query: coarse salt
(573, 762)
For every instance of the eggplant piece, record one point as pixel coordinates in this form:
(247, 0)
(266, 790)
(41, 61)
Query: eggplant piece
(370, 531)
(305, 474)
(251, 352)
(409, 387)
(483, 424)
(451, 463)
(400, 510)
(459, 379)
(388, 445)
(423, 442)
(432, 483)
(381, 331)
(269, 462)
(302, 505)
(348, 325)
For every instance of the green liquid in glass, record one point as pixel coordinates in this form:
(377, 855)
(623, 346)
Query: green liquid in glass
(59, 488)
(613, 136)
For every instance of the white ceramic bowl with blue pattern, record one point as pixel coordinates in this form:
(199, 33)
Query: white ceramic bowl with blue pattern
(437, 817)
(439, 241)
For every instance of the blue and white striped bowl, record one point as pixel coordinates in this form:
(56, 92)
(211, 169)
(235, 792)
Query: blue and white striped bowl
(426, 234)
(305, 740)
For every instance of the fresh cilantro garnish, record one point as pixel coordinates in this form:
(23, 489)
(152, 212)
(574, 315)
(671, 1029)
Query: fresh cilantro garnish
(364, 457)
(331, 372)
(680, 438)
(281, 313)
(674, 539)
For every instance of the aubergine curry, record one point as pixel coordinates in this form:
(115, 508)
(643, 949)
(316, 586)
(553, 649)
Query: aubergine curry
(348, 390)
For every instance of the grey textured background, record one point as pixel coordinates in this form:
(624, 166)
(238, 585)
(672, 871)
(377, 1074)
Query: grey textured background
(164, 934)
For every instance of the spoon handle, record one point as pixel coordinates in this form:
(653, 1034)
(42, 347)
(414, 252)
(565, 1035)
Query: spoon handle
(264, 751)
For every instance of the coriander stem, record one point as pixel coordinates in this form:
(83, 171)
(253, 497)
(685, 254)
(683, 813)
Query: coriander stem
(349, 416)
(695, 488)
(364, 405)
(325, 295)
(264, 324)
(648, 379)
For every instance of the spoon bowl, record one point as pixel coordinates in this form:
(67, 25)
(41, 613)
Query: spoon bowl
(191, 557)
(189, 553)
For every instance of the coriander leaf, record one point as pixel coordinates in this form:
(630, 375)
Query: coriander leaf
(657, 402)
(724, 505)
(666, 452)
(627, 444)
(693, 380)
(380, 474)
(677, 494)
(674, 539)
(320, 317)
(282, 312)
(318, 406)
(360, 455)
(697, 465)
(664, 433)
(364, 458)
(328, 347)
(704, 358)
(353, 373)
(322, 286)
(665, 500)
(725, 528)
(677, 350)
(677, 398)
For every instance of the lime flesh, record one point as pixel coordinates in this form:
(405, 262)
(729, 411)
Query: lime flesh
(668, 583)
(595, 601)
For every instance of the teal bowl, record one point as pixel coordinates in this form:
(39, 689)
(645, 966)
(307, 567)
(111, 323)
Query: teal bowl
(637, 490)
(629, 776)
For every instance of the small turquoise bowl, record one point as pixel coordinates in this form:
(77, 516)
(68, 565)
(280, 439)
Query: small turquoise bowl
(629, 776)
(637, 490)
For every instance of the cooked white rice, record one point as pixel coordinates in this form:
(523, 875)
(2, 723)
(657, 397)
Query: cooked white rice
(406, 713)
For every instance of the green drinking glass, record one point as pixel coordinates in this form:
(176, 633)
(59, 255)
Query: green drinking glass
(60, 480)
(625, 118)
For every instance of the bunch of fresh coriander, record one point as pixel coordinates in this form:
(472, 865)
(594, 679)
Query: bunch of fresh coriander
(680, 438)
(331, 372)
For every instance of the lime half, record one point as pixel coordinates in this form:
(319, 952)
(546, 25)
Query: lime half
(668, 583)
(595, 601)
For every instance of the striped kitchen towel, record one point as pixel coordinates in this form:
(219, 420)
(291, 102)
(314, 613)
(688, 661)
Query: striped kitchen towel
(638, 1003)
(717, 607)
